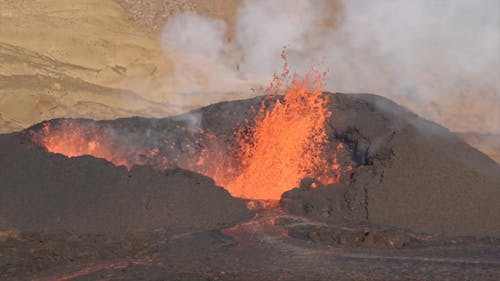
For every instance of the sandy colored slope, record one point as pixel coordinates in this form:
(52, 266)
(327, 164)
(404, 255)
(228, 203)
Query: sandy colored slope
(77, 59)
(154, 13)
(90, 58)
(95, 36)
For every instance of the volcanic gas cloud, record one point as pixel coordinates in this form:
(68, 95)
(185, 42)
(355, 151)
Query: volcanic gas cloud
(284, 142)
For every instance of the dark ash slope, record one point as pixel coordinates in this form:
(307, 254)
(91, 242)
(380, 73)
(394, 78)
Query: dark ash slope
(41, 191)
(412, 174)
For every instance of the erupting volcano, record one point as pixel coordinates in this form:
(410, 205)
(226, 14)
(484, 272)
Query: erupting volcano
(284, 142)
(350, 170)
(169, 140)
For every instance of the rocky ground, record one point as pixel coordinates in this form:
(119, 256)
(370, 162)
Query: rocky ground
(255, 250)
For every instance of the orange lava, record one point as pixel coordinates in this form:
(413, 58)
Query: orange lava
(288, 142)
(72, 139)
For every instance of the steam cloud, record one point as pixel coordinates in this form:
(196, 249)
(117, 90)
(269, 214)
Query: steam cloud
(440, 58)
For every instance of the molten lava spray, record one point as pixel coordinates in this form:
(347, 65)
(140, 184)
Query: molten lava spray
(73, 139)
(286, 143)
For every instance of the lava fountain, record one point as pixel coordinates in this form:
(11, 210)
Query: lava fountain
(284, 142)
(286, 145)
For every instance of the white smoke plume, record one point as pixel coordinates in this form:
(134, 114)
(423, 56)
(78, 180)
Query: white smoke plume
(440, 58)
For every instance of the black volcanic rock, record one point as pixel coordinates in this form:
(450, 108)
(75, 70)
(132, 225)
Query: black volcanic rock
(41, 191)
(411, 174)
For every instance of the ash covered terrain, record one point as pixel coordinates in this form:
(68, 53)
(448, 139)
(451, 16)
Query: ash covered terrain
(417, 198)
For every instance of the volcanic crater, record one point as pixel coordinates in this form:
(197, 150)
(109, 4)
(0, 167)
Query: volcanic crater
(368, 159)
(350, 170)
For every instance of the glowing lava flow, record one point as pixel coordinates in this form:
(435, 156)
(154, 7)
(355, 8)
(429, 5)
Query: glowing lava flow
(288, 142)
(73, 139)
